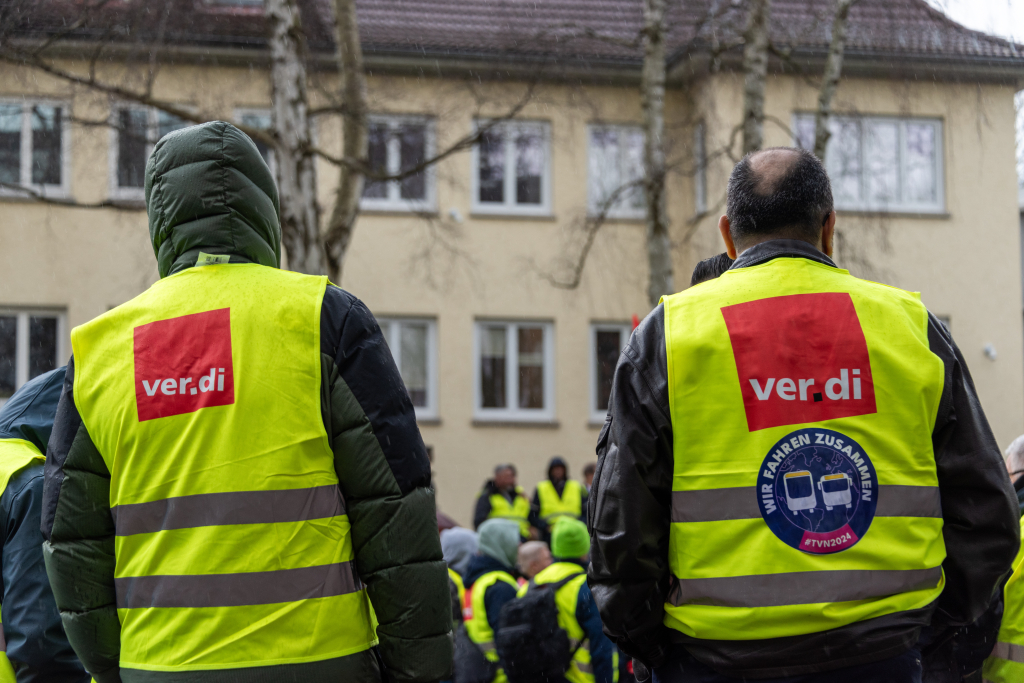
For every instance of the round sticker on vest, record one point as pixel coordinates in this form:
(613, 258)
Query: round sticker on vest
(817, 491)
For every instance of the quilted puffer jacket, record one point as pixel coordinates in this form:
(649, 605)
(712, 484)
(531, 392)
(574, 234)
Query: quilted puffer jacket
(217, 196)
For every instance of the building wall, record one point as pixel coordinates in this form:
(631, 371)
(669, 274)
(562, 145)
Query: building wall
(457, 267)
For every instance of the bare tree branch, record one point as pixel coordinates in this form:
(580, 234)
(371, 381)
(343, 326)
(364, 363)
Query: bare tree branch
(755, 69)
(830, 79)
(652, 104)
(43, 198)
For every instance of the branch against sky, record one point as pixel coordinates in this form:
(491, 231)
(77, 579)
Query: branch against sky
(830, 79)
(755, 70)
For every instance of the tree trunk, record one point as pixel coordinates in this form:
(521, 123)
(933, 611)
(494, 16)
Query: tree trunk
(355, 135)
(296, 168)
(830, 79)
(652, 101)
(755, 70)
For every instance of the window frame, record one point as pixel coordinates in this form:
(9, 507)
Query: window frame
(614, 213)
(241, 112)
(394, 323)
(116, 192)
(62, 191)
(510, 207)
(394, 201)
(597, 416)
(938, 208)
(21, 335)
(512, 413)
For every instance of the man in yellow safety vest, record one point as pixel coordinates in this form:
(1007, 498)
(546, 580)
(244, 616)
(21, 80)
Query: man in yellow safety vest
(236, 488)
(503, 498)
(796, 475)
(556, 497)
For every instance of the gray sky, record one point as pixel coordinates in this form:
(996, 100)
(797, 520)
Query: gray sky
(1002, 18)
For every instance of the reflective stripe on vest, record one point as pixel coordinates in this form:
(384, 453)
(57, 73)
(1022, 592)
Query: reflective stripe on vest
(202, 395)
(580, 670)
(1006, 663)
(551, 504)
(459, 586)
(475, 611)
(817, 394)
(518, 510)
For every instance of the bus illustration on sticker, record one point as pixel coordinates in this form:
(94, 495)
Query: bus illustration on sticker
(836, 490)
(800, 491)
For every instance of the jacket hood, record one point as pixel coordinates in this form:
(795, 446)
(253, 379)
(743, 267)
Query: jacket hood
(458, 546)
(482, 564)
(499, 538)
(209, 190)
(556, 462)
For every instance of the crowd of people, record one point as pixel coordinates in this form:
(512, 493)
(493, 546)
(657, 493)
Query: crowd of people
(795, 482)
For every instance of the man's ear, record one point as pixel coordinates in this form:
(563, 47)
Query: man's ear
(828, 233)
(724, 227)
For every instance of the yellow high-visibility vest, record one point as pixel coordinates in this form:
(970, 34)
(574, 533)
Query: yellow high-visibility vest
(805, 495)
(15, 455)
(459, 586)
(474, 614)
(581, 670)
(202, 395)
(570, 503)
(1006, 664)
(518, 510)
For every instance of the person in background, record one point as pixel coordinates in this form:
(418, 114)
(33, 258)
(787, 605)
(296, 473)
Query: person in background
(459, 545)
(556, 497)
(503, 498)
(533, 557)
(588, 475)
(1006, 663)
(596, 658)
(710, 268)
(1015, 468)
(490, 584)
(37, 650)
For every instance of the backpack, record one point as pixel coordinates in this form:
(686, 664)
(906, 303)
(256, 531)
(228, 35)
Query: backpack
(471, 664)
(532, 646)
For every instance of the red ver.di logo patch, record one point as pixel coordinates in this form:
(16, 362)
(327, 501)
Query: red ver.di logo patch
(183, 364)
(801, 358)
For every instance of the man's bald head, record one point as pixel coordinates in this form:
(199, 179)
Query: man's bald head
(778, 192)
(534, 556)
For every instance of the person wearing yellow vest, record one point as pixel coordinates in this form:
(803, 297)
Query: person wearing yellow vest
(595, 659)
(236, 488)
(33, 646)
(796, 476)
(556, 497)
(490, 584)
(503, 498)
(1006, 663)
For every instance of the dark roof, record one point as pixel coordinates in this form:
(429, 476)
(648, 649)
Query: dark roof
(587, 31)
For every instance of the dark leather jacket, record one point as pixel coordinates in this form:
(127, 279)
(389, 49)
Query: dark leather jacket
(630, 503)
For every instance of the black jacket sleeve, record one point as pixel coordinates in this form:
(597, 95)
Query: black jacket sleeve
(630, 499)
(79, 540)
(384, 473)
(534, 517)
(36, 645)
(981, 527)
(482, 510)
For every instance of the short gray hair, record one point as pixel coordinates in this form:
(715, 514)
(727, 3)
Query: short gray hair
(1015, 456)
(498, 469)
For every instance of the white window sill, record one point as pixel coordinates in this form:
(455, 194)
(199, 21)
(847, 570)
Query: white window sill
(369, 206)
(545, 423)
(45, 192)
(903, 212)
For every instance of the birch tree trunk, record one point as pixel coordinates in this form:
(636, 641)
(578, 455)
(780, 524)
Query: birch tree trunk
(755, 70)
(296, 168)
(652, 101)
(830, 79)
(355, 134)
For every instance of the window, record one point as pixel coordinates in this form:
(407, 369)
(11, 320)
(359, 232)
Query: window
(34, 147)
(511, 170)
(881, 164)
(616, 164)
(700, 170)
(515, 371)
(31, 343)
(136, 130)
(396, 145)
(259, 119)
(606, 343)
(413, 344)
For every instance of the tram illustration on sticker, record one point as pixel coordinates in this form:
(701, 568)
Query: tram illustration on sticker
(817, 491)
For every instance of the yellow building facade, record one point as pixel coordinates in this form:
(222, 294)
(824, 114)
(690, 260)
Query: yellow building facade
(503, 365)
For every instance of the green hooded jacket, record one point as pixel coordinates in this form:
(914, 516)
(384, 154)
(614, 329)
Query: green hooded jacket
(208, 190)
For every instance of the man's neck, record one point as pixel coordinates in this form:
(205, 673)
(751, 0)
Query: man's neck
(753, 242)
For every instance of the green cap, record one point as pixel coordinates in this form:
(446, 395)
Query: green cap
(570, 538)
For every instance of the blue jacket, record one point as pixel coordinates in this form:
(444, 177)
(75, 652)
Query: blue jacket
(36, 645)
(498, 594)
